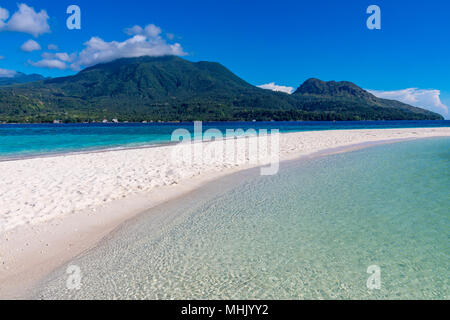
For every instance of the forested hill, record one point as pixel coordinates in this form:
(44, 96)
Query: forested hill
(20, 77)
(173, 89)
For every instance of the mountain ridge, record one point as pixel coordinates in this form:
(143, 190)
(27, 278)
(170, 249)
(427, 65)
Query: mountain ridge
(332, 88)
(170, 88)
(20, 77)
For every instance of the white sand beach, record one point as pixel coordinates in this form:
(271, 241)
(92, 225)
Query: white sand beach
(53, 208)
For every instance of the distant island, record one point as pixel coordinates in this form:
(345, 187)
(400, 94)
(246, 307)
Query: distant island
(170, 88)
(20, 77)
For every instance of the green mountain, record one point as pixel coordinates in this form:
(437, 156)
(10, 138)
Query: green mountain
(173, 89)
(20, 77)
(333, 89)
(347, 98)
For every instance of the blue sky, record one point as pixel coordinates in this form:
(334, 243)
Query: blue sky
(284, 42)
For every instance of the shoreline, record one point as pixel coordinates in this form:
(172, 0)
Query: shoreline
(87, 151)
(30, 251)
(144, 145)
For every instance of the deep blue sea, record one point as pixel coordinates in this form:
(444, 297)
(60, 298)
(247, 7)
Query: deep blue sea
(22, 140)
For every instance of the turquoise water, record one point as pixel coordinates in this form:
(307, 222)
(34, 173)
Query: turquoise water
(21, 140)
(309, 232)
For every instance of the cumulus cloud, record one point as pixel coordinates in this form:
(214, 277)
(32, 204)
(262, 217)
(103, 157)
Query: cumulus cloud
(52, 47)
(63, 56)
(272, 86)
(57, 60)
(144, 42)
(5, 73)
(49, 63)
(134, 30)
(428, 99)
(4, 14)
(26, 20)
(150, 31)
(30, 45)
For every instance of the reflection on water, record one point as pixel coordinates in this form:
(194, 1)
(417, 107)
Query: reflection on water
(309, 232)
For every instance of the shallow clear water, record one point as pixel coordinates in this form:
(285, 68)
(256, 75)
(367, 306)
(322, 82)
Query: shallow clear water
(19, 140)
(309, 232)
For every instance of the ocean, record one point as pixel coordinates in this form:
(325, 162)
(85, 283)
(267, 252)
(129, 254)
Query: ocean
(25, 140)
(316, 230)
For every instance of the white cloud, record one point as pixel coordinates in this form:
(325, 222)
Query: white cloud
(25, 20)
(144, 42)
(4, 73)
(30, 45)
(63, 56)
(53, 47)
(428, 99)
(134, 30)
(4, 14)
(272, 86)
(49, 63)
(150, 31)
